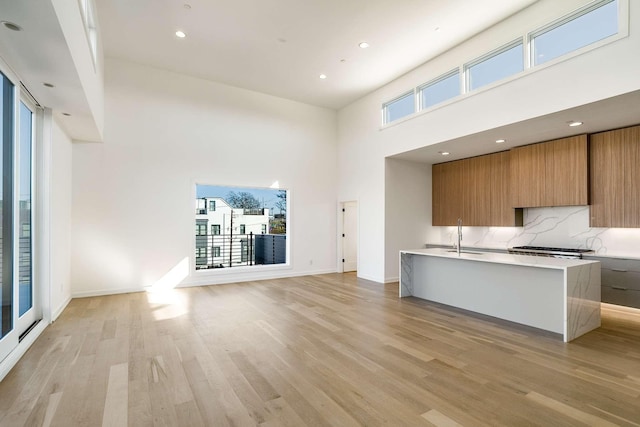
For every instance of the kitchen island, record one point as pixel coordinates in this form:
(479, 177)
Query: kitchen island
(554, 294)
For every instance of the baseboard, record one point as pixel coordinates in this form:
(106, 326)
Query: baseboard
(370, 278)
(391, 279)
(10, 361)
(206, 281)
(60, 309)
(249, 277)
(103, 292)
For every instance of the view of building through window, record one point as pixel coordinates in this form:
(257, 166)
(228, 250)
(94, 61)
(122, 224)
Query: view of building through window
(239, 226)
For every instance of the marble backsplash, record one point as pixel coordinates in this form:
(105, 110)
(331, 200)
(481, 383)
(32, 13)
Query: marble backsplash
(556, 227)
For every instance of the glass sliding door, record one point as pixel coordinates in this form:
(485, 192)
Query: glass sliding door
(28, 301)
(19, 297)
(7, 91)
(25, 241)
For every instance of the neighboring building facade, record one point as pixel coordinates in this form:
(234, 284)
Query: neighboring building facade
(225, 236)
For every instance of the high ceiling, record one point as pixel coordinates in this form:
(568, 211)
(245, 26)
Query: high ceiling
(280, 47)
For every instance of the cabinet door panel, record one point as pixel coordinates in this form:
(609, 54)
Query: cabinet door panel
(631, 199)
(502, 213)
(553, 173)
(468, 214)
(476, 190)
(528, 171)
(446, 206)
(453, 193)
(607, 180)
(482, 196)
(566, 180)
(437, 198)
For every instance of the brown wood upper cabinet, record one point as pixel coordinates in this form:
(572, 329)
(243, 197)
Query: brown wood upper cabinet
(474, 189)
(615, 178)
(553, 173)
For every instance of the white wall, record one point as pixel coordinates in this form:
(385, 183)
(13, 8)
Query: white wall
(133, 195)
(407, 210)
(90, 73)
(60, 219)
(595, 75)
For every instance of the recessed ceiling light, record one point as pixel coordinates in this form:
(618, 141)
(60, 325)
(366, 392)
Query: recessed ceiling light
(11, 26)
(323, 76)
(574, 124)
(180, 34)
(364, 45)
(500, 141)
(48, 84)
(436, 29)
(444, 153)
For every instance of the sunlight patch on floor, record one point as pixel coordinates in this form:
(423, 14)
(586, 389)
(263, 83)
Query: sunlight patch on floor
(167, 302)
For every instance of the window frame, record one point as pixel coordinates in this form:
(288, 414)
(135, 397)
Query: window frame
(490, 55)
(90, 20)
(31, 105)
(258, 270)
(433, 82)
(22, 333)
(385, 107)
(199, 228)
(527, 58)
(531, 36)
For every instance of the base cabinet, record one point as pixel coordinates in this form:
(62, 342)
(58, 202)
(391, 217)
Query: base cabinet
(620, 281)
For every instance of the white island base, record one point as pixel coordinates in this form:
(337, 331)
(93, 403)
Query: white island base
(557, 295)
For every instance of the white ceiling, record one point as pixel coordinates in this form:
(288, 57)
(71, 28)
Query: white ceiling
(238, 42)
(39, 54)
(280, 47)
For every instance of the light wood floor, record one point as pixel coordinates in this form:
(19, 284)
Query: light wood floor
(311, 351)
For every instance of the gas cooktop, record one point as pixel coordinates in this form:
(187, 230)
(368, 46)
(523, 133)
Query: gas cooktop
(549, 251)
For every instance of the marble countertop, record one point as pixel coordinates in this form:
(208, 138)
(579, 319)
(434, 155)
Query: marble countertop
(502, 258)
(616, 256)
(504, 250)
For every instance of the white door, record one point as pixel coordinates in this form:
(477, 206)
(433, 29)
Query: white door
(350, 236)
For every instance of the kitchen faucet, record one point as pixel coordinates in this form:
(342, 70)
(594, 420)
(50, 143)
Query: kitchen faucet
(459, 234)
